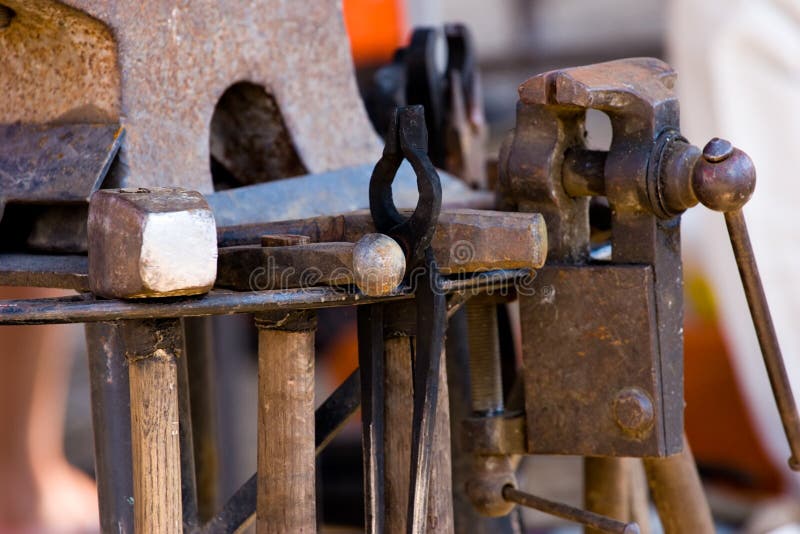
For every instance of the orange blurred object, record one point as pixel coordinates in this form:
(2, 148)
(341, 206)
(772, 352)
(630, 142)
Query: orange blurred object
(718, 423)
(376, 29)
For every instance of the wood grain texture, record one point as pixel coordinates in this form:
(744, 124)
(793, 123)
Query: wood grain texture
(399, 411)
(606, 488)
(286, 452)
(155, 443)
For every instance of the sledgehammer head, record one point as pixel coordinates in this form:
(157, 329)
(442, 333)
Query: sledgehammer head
(151, 242)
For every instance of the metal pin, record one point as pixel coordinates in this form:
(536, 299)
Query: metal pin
(564, 511)
(765, 330)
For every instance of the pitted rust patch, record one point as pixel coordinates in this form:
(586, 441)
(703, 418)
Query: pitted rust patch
(59, 65)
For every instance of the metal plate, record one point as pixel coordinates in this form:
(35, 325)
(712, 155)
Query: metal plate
(591, 364)
(53, 164)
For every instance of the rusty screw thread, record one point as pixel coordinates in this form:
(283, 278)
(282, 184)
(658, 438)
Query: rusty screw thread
(486, 381)
(6, 14)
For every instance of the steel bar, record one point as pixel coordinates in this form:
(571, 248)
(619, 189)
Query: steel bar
(152, 348)
(202, 393)
(589, 519)
(55, 163)
(329, 419)
(336, 191)
(372, 365)
(331, 416)
(186, 435)
(111, 425)
(765, 330)
(39, 270)
(85, 309)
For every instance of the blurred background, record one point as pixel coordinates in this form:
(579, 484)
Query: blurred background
(739, 72)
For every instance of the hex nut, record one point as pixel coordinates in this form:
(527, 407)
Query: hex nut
(153, 242)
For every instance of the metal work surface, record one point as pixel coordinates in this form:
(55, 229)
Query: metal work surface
(175, 61)
(335, 192)
(60, 163)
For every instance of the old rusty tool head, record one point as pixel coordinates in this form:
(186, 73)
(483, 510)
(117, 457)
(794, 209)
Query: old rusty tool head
(407, 139)
(452, 99)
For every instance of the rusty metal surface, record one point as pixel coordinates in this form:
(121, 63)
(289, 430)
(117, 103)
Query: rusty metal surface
(59, 65)
(464, 241)
(498, 435)
(249, 268)
(160, 67)
(637, 94)
(468, 240)
(55, 163)
(589, 378)
(35, 270)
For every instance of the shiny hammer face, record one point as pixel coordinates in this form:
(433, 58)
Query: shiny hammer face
(151, 242)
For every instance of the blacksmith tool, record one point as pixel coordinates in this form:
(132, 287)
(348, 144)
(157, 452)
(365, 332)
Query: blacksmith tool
(407, 138)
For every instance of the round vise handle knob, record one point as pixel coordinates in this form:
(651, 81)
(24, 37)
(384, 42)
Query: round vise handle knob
(379, 264)
(724, 177)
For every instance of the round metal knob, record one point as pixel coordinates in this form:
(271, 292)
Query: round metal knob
(724, 177)
(378, 264)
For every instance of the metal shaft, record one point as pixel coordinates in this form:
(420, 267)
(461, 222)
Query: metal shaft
(564, 511)
(372, 367)
(765, 330)
(111, 424)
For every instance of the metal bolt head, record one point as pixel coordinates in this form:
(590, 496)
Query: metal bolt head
(634, 412)
(378, 264)
(717, 150)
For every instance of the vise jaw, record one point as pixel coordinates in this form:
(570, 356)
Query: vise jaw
(602, 341)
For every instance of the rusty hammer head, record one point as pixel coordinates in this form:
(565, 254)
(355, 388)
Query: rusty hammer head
(154, 242)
